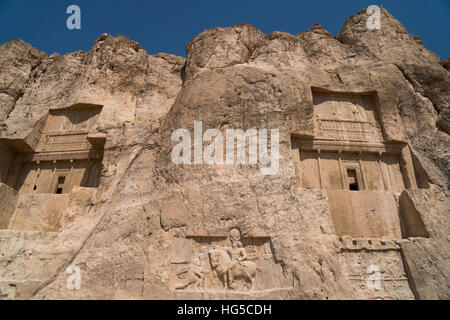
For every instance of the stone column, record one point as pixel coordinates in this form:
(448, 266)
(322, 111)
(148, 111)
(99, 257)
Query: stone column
(54, 179)
(385, 183)
(318, 166)
(361, 171)
(408, 168)
(341, 169)
(38, 172)
(69, 178)
(297, 166)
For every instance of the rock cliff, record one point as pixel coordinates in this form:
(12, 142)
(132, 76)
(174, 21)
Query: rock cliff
(153, 229)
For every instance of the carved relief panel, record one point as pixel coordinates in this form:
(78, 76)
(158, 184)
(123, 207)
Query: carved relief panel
(66, 129)
(375, 269)
(346, 117)
(225, 264)
(350, 159)
(63, 157)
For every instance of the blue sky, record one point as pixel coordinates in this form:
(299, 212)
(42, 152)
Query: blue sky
(167, 26)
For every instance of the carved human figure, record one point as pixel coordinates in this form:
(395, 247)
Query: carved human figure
(231, 263)
(238, 256)
(193, 274)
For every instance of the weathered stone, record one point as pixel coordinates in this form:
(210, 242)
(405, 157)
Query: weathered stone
(360, 191)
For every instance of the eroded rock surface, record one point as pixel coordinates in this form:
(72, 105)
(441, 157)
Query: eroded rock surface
(360, 194)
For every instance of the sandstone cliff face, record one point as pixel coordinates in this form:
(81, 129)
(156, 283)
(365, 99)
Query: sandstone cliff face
(132, 236)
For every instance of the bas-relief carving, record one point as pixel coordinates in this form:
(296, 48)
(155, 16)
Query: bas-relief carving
(61, 158)
(66, 130)
(364, 267)
(349, 158)
(346, 117)
(348, 131)
(368, 260)
(225, 264)
(61, 152)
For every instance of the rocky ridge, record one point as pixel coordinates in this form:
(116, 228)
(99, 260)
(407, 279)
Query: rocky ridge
(121, 234)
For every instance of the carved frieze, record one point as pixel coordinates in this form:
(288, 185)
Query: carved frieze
(226, 264)
(375, 269)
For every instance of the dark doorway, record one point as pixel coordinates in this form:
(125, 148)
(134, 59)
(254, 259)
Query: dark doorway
(352, 179)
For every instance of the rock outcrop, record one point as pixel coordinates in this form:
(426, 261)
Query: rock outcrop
(153, 229)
